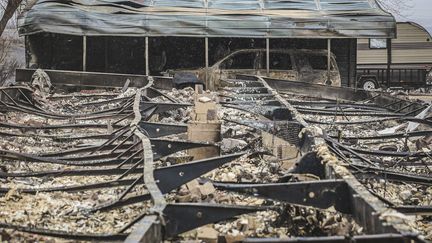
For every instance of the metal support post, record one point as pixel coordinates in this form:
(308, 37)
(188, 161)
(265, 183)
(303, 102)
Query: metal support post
(84, 54)
(389, 60)
(328, 61)
(207, 65)
(147, 69)
(268, 57)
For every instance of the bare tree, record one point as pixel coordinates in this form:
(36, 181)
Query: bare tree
(8, 62)
(7, 65)
(396, 7)
(8, 12)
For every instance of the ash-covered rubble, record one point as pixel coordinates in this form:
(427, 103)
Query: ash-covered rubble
(57, 210)
(75, 211)
(405, 154)
(286, 221)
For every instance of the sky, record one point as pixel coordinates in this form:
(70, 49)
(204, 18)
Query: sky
(421, 13)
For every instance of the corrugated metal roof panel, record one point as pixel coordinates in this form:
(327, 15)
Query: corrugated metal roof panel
(210, 18)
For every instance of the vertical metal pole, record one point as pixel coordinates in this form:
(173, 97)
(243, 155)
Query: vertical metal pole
(147, 69)
(353, 51)
(389, 60)
(328, 60)
(209, 86)
(268, 57)
(27, 47)
(84, 54)
(106, 54)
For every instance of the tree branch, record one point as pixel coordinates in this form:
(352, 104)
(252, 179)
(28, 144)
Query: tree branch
(11, 7)
(396, 7)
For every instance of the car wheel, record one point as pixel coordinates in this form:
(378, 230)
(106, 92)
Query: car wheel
(368, 84)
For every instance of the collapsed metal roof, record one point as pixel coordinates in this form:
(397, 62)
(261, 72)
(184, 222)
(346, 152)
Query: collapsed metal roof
(210, 18)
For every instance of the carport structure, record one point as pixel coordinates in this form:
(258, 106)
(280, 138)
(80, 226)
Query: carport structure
(302, 23)
(138, 36)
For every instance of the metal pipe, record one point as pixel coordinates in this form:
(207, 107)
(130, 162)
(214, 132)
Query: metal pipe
(84, 54)
(389, 60)
(268, 57)
(207, 64)
(328, 60)
(147, 69)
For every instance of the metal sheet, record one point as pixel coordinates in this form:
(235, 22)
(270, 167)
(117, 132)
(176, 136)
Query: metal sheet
(210, 18)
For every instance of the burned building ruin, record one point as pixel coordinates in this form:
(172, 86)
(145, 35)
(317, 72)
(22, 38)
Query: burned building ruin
(150, 37)
(98, 144)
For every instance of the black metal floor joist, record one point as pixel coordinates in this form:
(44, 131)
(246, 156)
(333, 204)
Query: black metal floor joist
(132, 149)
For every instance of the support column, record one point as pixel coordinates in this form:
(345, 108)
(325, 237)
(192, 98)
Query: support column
(268, 57)
(206, 81)
(84, 54)
(328, 61)
(106, 55)
(389, 60)
(147, 69)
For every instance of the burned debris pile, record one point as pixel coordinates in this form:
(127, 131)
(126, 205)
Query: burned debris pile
(388, 150)
(50, 150)
(247, 162)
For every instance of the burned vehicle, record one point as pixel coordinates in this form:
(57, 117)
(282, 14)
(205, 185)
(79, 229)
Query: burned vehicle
(291, 64)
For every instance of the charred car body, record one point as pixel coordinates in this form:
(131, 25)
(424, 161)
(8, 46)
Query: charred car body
(291, 64)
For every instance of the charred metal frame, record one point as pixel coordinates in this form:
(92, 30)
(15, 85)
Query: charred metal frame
(94, 79)
(324, 157)
(365, 203)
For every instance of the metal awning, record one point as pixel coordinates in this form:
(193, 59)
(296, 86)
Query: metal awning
(210, 18)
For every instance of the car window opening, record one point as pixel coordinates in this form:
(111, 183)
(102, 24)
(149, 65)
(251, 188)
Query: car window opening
(318, 62)
(280, 61)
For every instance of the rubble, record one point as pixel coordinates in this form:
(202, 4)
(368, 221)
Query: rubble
(261, 169)
(231, 144)
(42, 83)
(399, 194)
(56, 210)
(270, 159)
